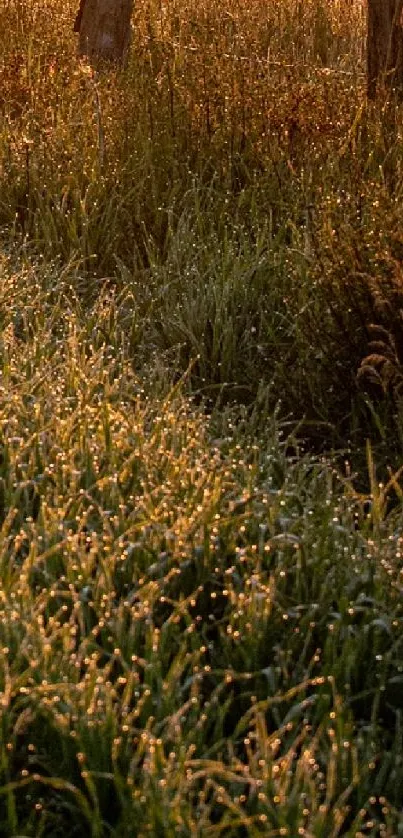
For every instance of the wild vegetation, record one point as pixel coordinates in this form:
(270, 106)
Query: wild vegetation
(201, 353)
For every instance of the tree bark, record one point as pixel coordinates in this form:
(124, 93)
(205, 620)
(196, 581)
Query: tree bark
(104, 29)
(385, 45)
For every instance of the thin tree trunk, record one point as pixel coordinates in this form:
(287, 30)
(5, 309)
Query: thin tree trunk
(385, 45)
(104, 29)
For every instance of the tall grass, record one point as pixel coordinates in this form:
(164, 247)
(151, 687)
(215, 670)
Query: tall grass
(235, 157)
(200, 427)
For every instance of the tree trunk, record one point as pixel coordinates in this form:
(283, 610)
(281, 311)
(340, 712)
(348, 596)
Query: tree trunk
(104, 28)
(385, 45)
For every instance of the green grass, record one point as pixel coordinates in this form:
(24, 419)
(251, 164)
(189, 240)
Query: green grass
(201, 354)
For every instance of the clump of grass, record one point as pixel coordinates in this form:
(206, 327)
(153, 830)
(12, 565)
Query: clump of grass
(199, 635)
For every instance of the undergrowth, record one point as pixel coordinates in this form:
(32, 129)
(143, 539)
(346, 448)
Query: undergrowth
(200, 427)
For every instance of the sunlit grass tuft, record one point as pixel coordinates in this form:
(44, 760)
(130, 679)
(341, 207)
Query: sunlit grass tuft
(197, 634)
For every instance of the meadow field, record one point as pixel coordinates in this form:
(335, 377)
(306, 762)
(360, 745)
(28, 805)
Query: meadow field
(201, 427)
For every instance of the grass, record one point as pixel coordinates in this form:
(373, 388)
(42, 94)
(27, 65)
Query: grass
(200, 428)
